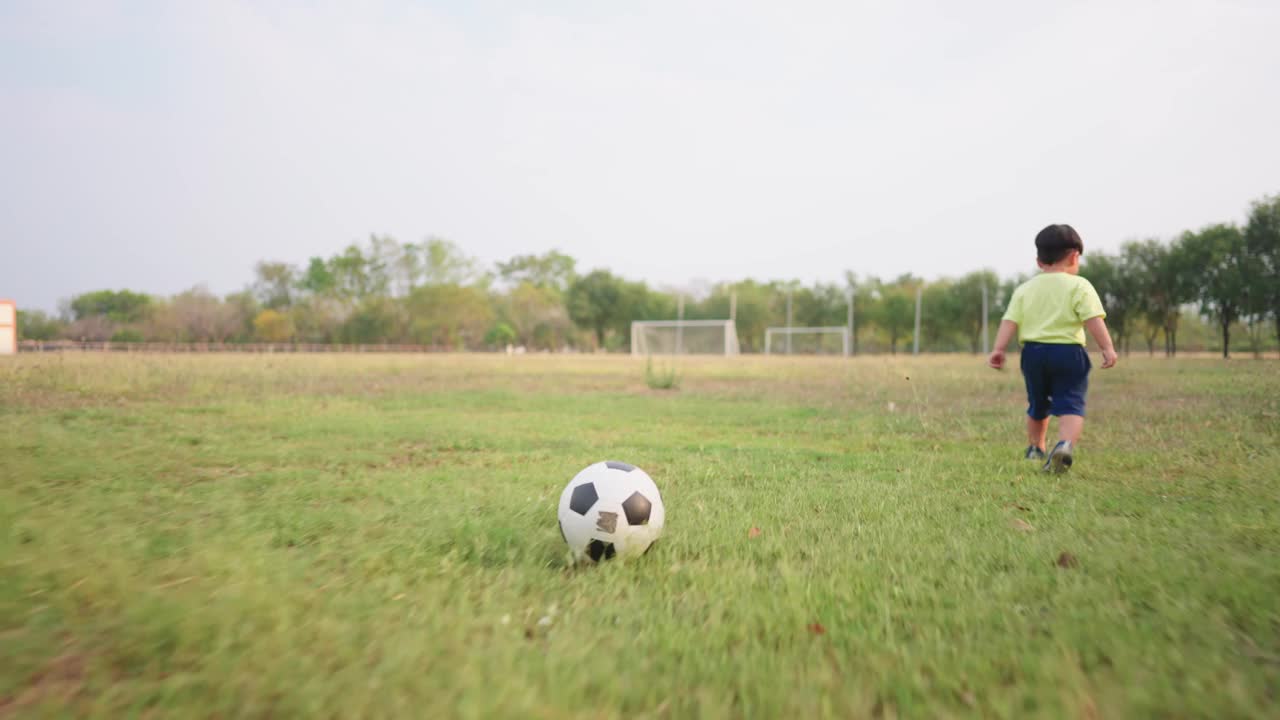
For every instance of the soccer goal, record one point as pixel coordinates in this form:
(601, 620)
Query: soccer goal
(8, 328)
(807, 340)
(684, 337)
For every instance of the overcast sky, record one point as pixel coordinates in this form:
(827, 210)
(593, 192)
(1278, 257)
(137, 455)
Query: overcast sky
(157, 146)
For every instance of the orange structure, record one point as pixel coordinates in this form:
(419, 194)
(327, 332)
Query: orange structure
(8, 327)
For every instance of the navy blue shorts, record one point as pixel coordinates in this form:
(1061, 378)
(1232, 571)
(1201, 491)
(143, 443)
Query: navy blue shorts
(1057, 378)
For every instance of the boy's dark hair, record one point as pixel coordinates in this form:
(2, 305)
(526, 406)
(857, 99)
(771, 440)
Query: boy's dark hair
(1055, 241)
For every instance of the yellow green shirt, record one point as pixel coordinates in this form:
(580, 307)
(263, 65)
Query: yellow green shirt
(1052, 308)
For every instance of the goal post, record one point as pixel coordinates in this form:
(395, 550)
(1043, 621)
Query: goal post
(8, 327)
(834, 339)
(684, 337)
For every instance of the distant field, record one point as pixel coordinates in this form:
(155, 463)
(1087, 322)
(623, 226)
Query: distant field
(375, 536)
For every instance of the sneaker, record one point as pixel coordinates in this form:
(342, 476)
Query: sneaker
(1034, 453)
(1059, 458)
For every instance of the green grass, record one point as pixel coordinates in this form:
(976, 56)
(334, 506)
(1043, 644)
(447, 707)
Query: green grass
(375, 536)
(666, 377)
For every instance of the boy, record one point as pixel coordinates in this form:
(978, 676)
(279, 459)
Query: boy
(1050, 313)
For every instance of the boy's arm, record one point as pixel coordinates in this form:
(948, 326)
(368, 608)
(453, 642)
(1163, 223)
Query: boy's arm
(1008, 329)
(1097, 328)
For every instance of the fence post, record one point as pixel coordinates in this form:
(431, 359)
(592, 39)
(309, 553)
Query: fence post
(915, 348)
(789, 291)
(984, 319)
(680, 324)
(849, 339)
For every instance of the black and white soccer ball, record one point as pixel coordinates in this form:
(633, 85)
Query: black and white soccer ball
(610, 509)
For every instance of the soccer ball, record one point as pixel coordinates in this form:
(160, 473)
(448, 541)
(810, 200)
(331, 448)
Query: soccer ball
(610, 509)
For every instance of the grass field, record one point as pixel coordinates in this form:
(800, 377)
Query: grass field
(375, 536)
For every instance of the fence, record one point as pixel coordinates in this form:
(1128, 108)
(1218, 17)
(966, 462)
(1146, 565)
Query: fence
(37, 346)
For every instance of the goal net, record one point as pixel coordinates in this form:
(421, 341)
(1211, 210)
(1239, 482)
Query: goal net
(684, 337)
(806, 340)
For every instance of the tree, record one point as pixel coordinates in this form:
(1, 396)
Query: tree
(274, 284)
(596, 303)
(318, 319)
(895, 310)
(122, 306)
(99, 315)
(754, 310)
(553, 270)
(444, 263)
(1262, 245)
(245, 307)
(200, 316)
(1110, 277)
(376, 319)
(1219, 252)
(318, 278)
(1255, 306)
(823, 305)
(408, 269)
(162, 324)
(865, 293)
(273, 326)
(383, 263)
(38, 325)
(1148, 261)
(450, 316)
(353, 280)
(500, 335)
(961, 307)
(93, 328)
(640, 302)
(942, 311)
(1179, 282)
(1139, 260)
(359, 273)
(1163, 282)
(536, 316)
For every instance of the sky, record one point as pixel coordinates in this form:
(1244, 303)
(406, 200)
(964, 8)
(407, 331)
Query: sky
(159, 146)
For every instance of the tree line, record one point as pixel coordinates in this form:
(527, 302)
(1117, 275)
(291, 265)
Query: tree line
(1223, 278)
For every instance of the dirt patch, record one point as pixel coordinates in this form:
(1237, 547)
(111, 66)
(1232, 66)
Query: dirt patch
(61, 679)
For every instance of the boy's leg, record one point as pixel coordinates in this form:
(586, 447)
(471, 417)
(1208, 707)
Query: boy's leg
(1033, 374)
(1070, 427)
(1069, 387)
(1037, 430)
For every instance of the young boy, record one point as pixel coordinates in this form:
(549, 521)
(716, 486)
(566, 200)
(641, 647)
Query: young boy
(1050, 313)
